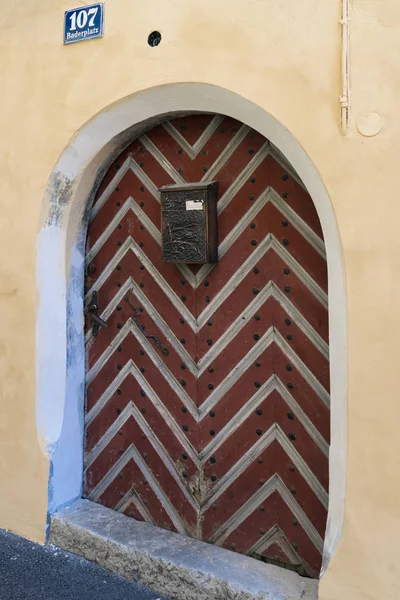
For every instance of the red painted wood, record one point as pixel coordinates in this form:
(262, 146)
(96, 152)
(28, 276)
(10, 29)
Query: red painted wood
(230, 449)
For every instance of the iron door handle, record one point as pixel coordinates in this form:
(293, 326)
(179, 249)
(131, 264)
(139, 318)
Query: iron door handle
(98, 321)
(92, 309)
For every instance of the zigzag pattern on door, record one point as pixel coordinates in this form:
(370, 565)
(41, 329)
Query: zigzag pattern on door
(207, 408)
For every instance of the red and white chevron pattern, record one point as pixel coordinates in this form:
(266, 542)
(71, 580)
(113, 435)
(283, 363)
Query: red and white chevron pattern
(225, 436)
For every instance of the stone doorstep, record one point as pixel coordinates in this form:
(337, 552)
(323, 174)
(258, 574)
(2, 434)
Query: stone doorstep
(169, 563)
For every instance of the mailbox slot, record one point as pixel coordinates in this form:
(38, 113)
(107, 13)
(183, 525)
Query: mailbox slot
(189, 225)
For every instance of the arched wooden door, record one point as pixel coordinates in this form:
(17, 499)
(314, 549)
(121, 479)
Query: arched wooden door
(207, 409)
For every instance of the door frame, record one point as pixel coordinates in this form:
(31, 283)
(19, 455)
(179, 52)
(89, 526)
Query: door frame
(60, 258)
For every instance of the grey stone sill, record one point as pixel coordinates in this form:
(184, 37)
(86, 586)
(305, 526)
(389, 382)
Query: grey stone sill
(169, 563)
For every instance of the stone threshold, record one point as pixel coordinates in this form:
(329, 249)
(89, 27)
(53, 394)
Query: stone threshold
(170, 563)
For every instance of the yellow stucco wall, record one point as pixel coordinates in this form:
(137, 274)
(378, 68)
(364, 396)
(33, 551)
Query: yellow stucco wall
(285, 57)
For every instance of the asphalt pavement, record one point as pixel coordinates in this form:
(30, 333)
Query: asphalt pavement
(29, 571)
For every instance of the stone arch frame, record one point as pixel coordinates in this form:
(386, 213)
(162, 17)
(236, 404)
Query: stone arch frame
(60, 256)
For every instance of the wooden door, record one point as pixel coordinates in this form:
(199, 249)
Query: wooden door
(207, 409)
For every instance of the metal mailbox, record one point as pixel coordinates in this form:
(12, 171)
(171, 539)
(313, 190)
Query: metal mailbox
(189, 225)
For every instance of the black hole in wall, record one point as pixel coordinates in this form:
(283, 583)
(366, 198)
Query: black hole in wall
(154, 38)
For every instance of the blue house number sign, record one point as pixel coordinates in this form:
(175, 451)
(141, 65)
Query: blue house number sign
(84, 23)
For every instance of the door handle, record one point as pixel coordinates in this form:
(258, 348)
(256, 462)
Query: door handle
(98, 321)
(92, 309)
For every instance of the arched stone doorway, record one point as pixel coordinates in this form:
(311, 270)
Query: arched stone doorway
(207, 408)
(60, 268)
